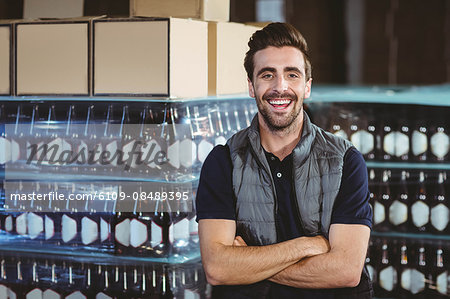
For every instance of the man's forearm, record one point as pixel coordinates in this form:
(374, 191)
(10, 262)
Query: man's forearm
(245, 265)
(328, 270)
(340, 267)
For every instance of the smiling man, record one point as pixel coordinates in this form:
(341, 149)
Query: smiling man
(283, 207)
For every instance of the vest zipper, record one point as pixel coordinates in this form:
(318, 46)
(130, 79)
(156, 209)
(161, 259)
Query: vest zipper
(275, 212)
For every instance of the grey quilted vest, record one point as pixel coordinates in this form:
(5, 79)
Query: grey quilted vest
(318, 160)
(317, 171)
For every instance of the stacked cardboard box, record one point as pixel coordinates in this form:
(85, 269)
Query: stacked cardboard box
(227, 45)
(5, 59)
(52, 57)
(207, 10)
(164, 57)
(143, 56)
(227, 41)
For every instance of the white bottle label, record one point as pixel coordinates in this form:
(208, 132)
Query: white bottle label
(34, 294)
(398, 213)
(389, 143)
(3, 291)
(49, 227)
(15, 151)
(149, 151)
(102, 296)
(38, 154)
(98, 152)
(406, 279)
(68, 228)
(440, 144)
(417, 281)
(420, 213)
(5, 150)
(189, 294)
(122, 232)
(89, 230)
(127, 152)
(11, 294)
(50, 294)
(363, 141)
(65, 154)
(419, 143)
(204, 148)
(220, 140)
(82, 153)
(401, 144)
(35, 225)
(111, 148)
(104, 229)
(188, 153)
(193, 229)
(388, 278)
(76, 295)
(171, 233)
(8, 224)
(342, 134)
(54, 150)
(442, 282)
(21, 224)
(138, 233)
(181, 230)
(440, 216)
(156, 237)
(371, 271)
(379, 214)
(173, 154)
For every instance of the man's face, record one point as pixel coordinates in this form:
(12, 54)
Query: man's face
(279, 85)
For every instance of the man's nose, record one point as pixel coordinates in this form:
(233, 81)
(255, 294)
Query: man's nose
(280, 84)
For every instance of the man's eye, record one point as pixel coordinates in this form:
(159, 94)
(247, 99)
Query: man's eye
(267, 76)
(293, 75)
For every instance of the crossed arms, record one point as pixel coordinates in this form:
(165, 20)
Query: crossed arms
(304, 262)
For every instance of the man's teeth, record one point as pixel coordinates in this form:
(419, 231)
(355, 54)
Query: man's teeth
(279, 102)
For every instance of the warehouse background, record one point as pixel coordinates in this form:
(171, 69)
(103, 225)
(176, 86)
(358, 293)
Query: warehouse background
(351, 41)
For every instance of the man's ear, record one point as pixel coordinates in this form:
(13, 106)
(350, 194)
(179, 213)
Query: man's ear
(308, 88)
(251, 91)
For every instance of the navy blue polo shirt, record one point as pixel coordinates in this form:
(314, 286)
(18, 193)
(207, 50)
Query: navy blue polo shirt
(216, 200)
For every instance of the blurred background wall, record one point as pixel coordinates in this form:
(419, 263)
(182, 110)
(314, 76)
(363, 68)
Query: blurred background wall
(351, 41)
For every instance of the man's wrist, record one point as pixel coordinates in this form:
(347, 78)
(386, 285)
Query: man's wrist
(311, 246)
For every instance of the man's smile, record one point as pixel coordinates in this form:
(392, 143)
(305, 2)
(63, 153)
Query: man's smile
(280, 104)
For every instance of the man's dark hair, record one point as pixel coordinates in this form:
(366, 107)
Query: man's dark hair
(276, 35)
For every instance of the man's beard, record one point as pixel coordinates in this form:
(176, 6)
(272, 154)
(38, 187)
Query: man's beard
(274, 123)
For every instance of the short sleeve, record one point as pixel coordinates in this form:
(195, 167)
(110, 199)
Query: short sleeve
(215, 197)
(352, 202)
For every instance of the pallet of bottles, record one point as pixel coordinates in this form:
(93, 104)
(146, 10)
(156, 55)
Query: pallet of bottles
(400, 133)
(145, 235)
(165, 141)
(162, 230)
(408, 268)
(412, 201)
(25, 276)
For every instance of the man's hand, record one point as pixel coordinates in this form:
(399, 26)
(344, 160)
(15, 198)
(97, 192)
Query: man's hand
(228, 260)
(340, 267)
(238, 241)
(318, 245)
